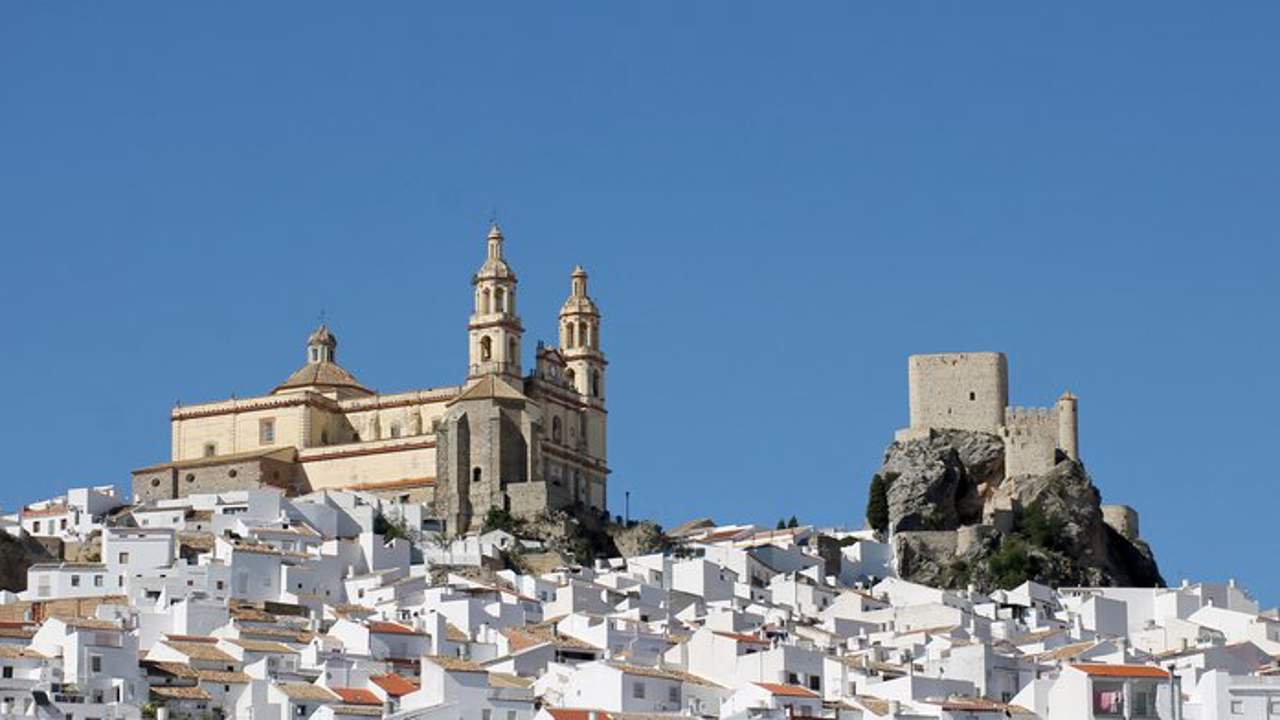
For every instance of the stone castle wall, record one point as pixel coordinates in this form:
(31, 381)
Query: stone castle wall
(959, 391)
(1030, 441)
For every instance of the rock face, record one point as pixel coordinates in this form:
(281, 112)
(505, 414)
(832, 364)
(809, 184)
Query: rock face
(955, 520)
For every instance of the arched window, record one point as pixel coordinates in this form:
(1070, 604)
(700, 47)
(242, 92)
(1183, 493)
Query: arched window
(582, 334)
(556, 430)
(513, 355)
(570, 376)
(484, 301)
(486, 349)
(499, 300)
(595, 383)
(475, 475)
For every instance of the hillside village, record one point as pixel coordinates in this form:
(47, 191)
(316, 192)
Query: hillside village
(338, 604)
(325, 551)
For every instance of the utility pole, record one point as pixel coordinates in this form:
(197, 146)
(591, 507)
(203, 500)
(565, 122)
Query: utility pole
(626, 509)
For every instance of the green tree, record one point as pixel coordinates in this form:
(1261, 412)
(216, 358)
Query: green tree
(793, 522)
(1042, 529)
(500, 519)
(1012, 564)
(782, 524)
(878, 502)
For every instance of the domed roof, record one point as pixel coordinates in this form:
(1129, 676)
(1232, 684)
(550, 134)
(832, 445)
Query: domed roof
(321, 375)
(322, 370)
(323, 336)
(495, 265)
(579, 302)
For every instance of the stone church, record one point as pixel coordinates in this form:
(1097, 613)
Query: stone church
(502, 439)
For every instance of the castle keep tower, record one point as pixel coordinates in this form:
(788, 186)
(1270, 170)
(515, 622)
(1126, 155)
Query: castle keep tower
(495, 330)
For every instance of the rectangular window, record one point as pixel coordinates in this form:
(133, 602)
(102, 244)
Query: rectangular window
(35, 526)
(210, 449)
(511, 715)
(75, 581)
(267, 431)
(97, 581)
(95, 663)
(123, 558)
(815, 682)
(637, 690)
(486, 714)
(1237, 707)
(673, 694)
(8, 671)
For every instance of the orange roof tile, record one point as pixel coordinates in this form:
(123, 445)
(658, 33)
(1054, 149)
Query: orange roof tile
(394, 685)
(391, 628)
(787, 690)
(741, 638)
(357, 696)
(1127, 671)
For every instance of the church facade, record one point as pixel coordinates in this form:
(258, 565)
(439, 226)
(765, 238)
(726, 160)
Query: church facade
(506, 439)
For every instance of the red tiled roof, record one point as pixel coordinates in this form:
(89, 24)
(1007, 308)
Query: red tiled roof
(391, 628)
(394, 685)
(787, 690)
(741, 638)
(1127, 671)
(577, 714)
(357, 696)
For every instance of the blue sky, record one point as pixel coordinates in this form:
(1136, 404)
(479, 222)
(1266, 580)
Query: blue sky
(777, 204)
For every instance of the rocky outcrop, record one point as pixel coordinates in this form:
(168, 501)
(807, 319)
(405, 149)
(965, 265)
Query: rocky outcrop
(955, 520)
(16, 557)
(585, 539)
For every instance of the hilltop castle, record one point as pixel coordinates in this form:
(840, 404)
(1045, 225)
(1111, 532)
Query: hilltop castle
(970, 391)
(502, 439)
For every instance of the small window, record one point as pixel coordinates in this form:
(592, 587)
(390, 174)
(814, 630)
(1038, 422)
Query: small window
(266, 431)
(35, 526)
(210, 449)
(673, 694)
(123, 558)
(8, 671)
(191, 477)
(95, 663)
(395, 429)
(637, 690)
(973, 395)
(1237, 707)
(75, 581)
(232, 472)
(155, 482)
(97, 581)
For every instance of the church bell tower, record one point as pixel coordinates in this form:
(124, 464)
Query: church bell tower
(580, 340)
(495, 330)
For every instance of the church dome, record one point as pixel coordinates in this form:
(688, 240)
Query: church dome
(495, 264)
(321, 375)
(322, 370)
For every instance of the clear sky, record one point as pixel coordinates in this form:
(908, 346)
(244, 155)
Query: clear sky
(777, 204)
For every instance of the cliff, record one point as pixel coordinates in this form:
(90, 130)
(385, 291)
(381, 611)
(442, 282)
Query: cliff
(955, 520)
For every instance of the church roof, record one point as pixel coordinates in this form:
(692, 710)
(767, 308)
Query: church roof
(321, 374)
(490, 387)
